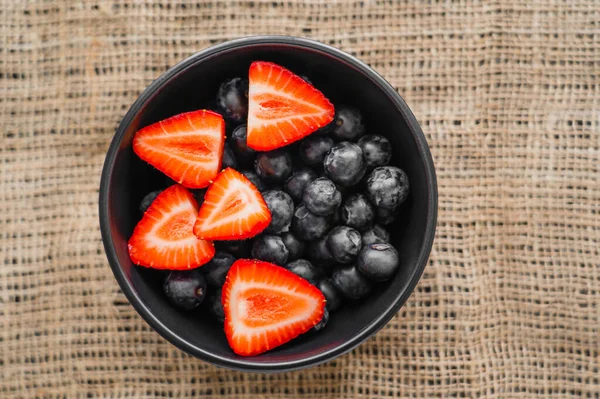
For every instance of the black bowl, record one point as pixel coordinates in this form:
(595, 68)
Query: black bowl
(192, 84)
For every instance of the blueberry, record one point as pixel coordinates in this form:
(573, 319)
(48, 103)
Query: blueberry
(185, 289)
(148, 200)
(357, 212)
(282, 208)
(304, 269)
(319, 254)
(378, 262)
(240, 145)
(238, 248)
(350, 282)
(216, 270)
(294, 246)
(273, 166)
(322, 197)
(232, 99)
(215, 305)
(229, 160)
(270, 248)
(387, 187)
(321, 325)
(296, 184)
(385, 216)
(348, 124)
(308, 226)
(377, 150)
(254, 179)
(332, 295)
(375, 235)
(344, 164)
(314, 148)
(344, 243)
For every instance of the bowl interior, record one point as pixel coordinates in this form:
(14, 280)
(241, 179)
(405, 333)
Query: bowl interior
(128, 179)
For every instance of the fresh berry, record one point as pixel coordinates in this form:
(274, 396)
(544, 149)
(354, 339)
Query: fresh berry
(294, 246)
(254, 179)
(344, 164)
(314, 148)
(232, 99)
(318, 253)
(357, 212)
(385, 216)
(283, 107)
(344, 243)
(240, 146)
(187, 147)
(348, 124)
(387, 187)
(233, 209)
(304, 269)
(375, 235)
(215, 306)
(216, 270)
(378, 262)
(267, 306)
(351, 283)
(308, 226)
(229, 160)
(321, 325)
(332, 295)
(148, 200)
(270, 248)
(321, 197)
(296, 184)
(377, 150)
(185, 289)
(163, 239)
(273, 166)
(238, 248)
(281, 206)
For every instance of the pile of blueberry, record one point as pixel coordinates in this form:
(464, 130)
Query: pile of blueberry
(330, 196)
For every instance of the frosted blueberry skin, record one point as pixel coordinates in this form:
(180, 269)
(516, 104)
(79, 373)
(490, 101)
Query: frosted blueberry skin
(344, 164)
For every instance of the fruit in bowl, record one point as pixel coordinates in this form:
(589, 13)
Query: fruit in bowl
(266, 305)
(258, 195)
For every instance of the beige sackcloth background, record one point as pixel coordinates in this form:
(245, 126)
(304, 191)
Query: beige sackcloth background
(508, 95)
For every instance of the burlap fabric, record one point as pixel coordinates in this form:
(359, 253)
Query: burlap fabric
(508, 95)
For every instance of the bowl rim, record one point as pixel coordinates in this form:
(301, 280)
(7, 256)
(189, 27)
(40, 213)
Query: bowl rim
(247, 364)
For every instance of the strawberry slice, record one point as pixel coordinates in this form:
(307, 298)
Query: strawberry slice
(282, 107)
(233, 209)
(266, 306)
(164, 239)
(186, 147)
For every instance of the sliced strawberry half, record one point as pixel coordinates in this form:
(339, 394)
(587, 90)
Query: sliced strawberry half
(282, 107)
(164, 239)
(266, 306)
(187, 147)
(233, 209)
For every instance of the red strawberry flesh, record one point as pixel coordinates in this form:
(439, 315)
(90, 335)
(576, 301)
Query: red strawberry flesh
(282, 107)
(233, 209)
(266, 306)
(164, 238)
(187, 147)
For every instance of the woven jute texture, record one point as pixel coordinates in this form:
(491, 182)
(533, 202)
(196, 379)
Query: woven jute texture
(508, 95)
